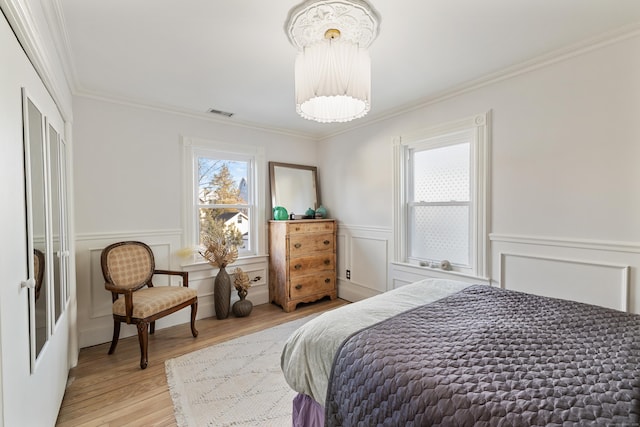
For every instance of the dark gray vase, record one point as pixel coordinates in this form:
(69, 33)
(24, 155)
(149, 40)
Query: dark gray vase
(243, 307)
(222, 294)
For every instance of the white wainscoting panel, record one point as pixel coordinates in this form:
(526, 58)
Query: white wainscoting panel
(589, 271)
(364, 251)
(578, 280)
(95, 322)
(202, 277)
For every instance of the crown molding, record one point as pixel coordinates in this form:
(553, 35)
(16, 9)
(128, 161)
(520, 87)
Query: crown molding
(233, 122)
(20, 17)
(545, 60)
(57, 25)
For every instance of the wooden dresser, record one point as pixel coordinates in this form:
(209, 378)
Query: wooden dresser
(302, 261)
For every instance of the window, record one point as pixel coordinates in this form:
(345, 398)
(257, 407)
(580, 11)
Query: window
(441, 198)
(222, 184)
(222, 194)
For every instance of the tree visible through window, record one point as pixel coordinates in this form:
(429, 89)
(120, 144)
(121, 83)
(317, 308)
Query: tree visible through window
(223, 195)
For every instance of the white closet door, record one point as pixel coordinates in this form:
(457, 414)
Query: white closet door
(34, 332)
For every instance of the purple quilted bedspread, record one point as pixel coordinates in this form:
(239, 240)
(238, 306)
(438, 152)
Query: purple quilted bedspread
(490, 357)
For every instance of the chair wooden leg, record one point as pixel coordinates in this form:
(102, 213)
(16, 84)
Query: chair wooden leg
(116, 335)
(194, 310)
(144, 340)
(152, 327)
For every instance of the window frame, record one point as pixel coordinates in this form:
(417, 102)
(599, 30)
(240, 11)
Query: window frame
(194, 148)
(477, 129)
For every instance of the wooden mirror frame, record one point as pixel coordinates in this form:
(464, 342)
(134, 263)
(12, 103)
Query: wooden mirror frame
(310, 187)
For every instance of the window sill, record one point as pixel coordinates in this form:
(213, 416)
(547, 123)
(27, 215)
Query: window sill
(197, 263)
(438, 273)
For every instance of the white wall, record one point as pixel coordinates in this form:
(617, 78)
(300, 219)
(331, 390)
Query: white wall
(128, 159)
(565, 150)
(128, 186)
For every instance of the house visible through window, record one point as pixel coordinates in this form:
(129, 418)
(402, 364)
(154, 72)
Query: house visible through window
(441, 203)
(223, 195)
(223, 182)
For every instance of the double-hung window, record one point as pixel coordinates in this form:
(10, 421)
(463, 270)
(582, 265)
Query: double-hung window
(223, 186)
(441, 200)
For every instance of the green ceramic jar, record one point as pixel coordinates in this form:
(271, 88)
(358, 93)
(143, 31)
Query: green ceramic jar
(280, 213)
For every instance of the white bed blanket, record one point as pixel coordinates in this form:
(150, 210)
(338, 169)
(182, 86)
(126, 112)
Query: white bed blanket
(308, 355)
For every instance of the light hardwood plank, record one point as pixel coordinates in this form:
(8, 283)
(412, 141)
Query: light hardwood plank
(112, 390)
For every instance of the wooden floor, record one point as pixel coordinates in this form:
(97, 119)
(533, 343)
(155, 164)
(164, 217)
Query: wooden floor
(113, 391)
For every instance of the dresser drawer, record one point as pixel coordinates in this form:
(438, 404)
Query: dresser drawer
(305, 243)
(310, 227)
(304, 286)
(309, 264)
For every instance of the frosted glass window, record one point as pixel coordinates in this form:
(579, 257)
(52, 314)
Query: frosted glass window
(441, 232)
(441, 174)
(439, 203)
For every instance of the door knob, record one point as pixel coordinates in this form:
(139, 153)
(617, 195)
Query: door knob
(29, 284)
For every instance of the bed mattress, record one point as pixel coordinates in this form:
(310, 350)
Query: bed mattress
(488, 356)
(308, 355)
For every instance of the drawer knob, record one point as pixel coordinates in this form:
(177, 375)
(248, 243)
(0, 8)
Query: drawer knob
(297, 266)
(327, 280)
(297, 228)
(298, 287)
(326, 242)
(327, 261)
(297, 245)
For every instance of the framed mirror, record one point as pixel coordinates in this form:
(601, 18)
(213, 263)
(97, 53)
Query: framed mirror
(294, 187)
(34, 151)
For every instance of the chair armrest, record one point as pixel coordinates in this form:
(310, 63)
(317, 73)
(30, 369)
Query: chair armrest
(128, 297)
(120, 290)
(184, 274)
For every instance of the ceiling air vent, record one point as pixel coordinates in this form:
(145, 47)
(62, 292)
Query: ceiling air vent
(219, 112)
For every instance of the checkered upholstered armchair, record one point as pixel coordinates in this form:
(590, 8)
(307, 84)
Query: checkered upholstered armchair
(128, 268)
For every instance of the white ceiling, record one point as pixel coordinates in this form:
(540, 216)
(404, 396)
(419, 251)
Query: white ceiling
(233, 55)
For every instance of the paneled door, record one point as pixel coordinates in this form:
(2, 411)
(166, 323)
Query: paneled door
(34, 252)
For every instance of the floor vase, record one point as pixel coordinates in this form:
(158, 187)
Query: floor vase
(222, 294)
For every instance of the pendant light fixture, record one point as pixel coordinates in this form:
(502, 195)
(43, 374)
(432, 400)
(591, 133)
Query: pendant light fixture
(333, 67)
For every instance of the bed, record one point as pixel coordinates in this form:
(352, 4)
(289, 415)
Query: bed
(451, 353)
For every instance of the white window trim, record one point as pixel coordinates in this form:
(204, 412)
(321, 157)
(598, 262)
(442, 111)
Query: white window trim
(479, 125)
(193, 146)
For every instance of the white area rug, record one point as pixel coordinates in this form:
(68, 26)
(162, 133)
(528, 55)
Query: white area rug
(235, 383)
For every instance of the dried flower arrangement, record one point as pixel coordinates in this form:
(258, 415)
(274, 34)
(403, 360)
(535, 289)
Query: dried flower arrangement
(241, 281)
(221, 244)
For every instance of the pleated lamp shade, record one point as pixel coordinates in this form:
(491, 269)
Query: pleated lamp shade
(333, 81)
